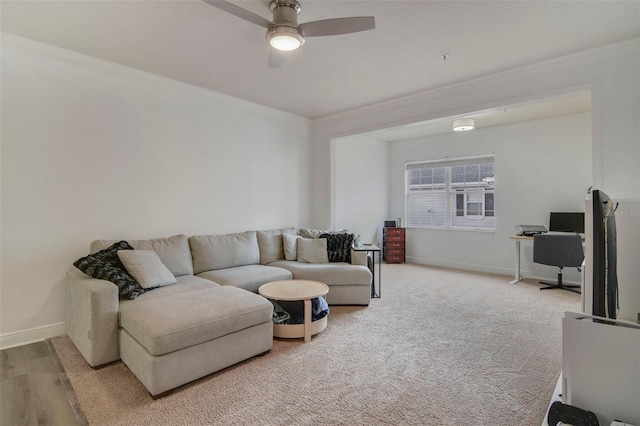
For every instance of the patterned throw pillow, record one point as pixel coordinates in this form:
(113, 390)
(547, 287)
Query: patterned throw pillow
(339, 246)
(105, 265)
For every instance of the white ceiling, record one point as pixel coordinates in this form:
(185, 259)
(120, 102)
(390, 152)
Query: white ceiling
(191, 41)
(554, 107)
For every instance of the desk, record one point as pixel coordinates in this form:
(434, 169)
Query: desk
(518, 239)
(518, 277)
(373, 249)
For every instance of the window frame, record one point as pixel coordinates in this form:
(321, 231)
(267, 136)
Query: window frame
(452, 190)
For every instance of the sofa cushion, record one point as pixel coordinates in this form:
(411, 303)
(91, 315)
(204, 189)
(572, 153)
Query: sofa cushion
(146, 268)
(173, 251)
(248, 277)
(211, 252)
(312, 250)
(105, 265)
(185, 284)
(270, 244)
(168, 324)
(290, 245)
(328, 273)
(339, 246)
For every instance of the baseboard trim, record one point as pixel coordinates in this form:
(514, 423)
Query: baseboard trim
(463, 266)
(37, 334)
(491, 270)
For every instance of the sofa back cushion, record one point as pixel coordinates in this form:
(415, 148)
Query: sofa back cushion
(173, 251)
(271, 244)
(211, 252)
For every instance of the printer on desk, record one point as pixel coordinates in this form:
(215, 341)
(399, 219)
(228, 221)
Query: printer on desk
(530, 230)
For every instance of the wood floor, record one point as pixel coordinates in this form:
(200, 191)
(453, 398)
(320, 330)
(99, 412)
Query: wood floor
(35, 390)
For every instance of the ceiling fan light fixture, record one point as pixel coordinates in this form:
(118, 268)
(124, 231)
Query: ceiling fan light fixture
(285, 38)
(463, 124)
(283, 31)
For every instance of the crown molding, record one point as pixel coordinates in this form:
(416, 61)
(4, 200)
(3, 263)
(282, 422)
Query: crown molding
(35, 48)
(597, 54)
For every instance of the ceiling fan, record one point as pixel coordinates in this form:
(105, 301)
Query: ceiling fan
(285, 34)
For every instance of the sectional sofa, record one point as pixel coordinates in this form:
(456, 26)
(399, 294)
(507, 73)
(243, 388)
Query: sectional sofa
(204, 314)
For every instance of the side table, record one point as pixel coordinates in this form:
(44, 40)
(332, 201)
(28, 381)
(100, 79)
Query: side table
(517, 239)
(292, 290)
(370, 248)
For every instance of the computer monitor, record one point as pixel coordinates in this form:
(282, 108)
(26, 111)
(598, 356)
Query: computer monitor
(566, 222)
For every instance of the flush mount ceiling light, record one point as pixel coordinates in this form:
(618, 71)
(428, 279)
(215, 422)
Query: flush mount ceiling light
(463, 124)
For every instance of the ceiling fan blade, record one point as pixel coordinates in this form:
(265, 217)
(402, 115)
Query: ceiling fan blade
(276, 58)
(240, 12)
(336, 26)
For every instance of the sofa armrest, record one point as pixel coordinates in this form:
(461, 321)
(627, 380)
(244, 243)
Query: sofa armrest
(91, 315)
(358, 257)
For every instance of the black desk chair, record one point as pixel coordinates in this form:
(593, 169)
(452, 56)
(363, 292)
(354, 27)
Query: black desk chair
(561, 251)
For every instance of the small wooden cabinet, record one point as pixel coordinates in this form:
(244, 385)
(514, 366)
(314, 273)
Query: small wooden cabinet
(393, 245)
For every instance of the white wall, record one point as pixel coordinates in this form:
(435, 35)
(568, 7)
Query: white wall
(610, 72)
(540, 166)
(93, 150)
(361, 178)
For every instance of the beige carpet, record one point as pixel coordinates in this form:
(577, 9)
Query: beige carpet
(441, 347)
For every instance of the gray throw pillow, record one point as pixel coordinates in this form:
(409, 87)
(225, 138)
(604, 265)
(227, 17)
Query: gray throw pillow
(147, 268)
(290, 243)
(312, 250)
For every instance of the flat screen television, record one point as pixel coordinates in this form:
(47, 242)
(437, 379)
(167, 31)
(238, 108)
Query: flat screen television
(605, 277)
(566, 222)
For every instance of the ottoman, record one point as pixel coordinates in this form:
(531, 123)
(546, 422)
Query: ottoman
(169, 341)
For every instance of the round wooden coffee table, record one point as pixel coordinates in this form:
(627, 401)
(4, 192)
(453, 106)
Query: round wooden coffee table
(292, 290)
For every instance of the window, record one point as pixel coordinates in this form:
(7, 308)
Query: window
(451, 194)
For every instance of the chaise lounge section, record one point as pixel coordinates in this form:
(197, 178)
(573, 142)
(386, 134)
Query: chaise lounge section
(169, 341)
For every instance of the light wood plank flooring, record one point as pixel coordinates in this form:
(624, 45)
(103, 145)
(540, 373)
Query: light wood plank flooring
(35, 390)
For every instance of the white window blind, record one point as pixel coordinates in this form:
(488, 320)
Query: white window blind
(454, 193)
